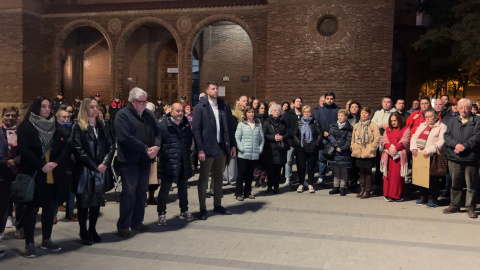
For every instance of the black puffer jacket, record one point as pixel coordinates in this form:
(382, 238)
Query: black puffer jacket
(275, 152)
(317, 137)
(341, 138)
(90, 152)
(175, 143)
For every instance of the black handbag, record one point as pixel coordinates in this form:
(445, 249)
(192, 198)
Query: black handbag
(23, 188)
(329, 151)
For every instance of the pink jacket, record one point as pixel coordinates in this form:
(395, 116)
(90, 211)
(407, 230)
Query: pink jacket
(434, 138)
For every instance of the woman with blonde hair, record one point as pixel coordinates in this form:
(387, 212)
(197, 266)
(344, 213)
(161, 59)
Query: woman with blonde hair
(94, 149)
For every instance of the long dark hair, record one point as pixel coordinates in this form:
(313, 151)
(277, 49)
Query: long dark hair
(35, 107)
(401, 124)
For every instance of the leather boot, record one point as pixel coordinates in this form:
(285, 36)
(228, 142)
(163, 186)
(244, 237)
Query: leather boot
(343, 191)
(335, 190)
(362, 187)
(368, 184)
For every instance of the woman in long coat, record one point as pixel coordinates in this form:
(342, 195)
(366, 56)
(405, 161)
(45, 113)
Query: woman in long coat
(275, 148)
(94, 149)
(44, 153)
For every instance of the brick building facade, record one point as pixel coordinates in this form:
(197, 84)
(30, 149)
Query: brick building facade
(269, 49)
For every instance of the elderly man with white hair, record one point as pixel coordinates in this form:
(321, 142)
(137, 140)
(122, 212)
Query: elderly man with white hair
(138, 142)
(462, 139)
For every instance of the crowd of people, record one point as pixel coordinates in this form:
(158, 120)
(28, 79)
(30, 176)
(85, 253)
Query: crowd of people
(69, 150)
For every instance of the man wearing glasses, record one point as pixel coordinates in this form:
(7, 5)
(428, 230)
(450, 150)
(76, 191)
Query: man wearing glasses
(138, 141)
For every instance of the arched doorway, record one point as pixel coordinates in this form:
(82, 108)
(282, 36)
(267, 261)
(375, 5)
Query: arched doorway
(85, 64)
(222, 52)
(167, 86)
(147, 45)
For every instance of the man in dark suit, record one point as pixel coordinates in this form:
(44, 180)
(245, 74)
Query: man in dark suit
(214, 139)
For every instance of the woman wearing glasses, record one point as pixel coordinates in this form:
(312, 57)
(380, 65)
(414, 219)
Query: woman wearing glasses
(93, 148)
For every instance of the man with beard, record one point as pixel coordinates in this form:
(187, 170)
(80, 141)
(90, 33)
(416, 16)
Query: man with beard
(326, 115)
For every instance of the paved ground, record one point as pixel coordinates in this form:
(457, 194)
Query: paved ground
(286, 231)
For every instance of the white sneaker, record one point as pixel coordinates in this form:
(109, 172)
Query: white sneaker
(300, 189)
(186, 215)
(311, 189)
(287, 182)
(162, 221)
(319, 181)
(9, 223)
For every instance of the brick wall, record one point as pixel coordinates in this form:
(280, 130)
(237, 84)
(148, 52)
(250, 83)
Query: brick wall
(11, 57)
(96, 71)
(227, 51)
(355, 63)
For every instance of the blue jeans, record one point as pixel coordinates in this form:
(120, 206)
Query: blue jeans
(448, 183)
(288, 165)
(322, 162)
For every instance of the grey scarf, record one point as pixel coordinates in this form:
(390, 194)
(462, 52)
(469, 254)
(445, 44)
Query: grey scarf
(45, 128)
(362, 134)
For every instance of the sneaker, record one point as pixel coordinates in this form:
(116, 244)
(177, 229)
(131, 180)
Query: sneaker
(287, 182)
(49, 244)
(420, 202)
(319, 181)
(311, 189)
(186, 215)
(20, 234)
(162, 221)
(399, 200)
(300, 189)
(388, 199)
(2, 252)
(431, 205)
(9, 223)
(30, 250)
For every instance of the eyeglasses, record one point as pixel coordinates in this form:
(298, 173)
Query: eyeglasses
(10, 115)
(430, 116)
(141, 102)
(66, 117)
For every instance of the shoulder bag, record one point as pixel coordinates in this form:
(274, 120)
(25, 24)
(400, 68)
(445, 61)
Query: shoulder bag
(23, 188)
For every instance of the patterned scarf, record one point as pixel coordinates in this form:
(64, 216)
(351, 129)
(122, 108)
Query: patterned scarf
(45, 128)
(423, 136)
(11, 133)
(306, 132)
(362, 134)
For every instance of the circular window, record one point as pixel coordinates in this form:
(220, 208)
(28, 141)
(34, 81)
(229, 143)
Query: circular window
(327, 25)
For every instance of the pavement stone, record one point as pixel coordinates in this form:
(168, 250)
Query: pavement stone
(286, 231)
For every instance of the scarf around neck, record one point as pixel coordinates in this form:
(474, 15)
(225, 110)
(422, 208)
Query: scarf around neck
(362, 134)
(45, 129)
(423, 136)
(305, 132)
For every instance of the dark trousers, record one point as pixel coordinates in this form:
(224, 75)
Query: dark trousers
(92, 214)
(306, 165)
(273, 174)
(133, 198)
(30, 219)
(463, 173)
(216, 166)
(431, 193)
(165, 186)
(245, 175)
(4, 203)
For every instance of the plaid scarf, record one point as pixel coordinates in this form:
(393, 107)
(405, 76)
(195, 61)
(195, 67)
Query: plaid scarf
(423, 136)
(45, 128)
(362, 134)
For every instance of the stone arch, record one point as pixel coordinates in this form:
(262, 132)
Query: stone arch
(58, 44)
(187, 54)
(120, 52)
